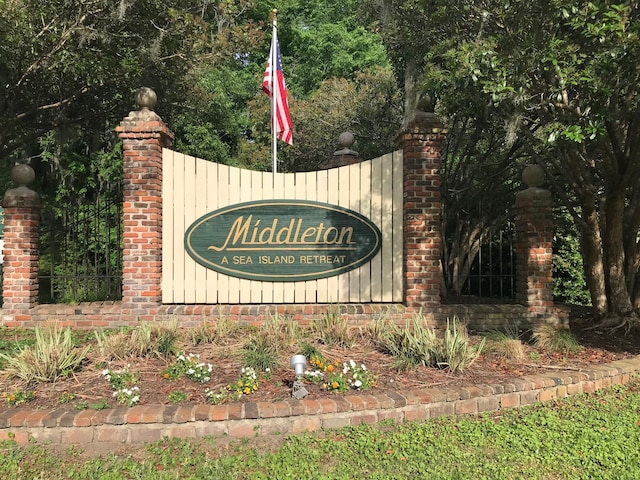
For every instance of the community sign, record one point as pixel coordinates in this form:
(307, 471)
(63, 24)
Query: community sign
(282, 240)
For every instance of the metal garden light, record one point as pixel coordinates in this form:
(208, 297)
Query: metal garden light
(298, 363)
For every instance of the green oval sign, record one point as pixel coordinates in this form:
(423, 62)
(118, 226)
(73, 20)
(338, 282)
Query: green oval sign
(282, 240)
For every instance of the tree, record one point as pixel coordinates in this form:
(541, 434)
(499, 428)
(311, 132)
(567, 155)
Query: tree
(368, 107)
(76, 63)
(563, 75)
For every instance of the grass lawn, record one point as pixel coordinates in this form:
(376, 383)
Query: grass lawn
(587, 436)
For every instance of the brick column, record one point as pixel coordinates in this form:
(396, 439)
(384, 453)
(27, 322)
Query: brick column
(420, 144)
(534, 245)
(21, 240)
(144, 134)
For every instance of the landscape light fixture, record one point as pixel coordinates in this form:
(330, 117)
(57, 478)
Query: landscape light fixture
(298, 363)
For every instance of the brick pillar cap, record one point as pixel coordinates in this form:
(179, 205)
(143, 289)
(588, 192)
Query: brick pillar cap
(22, 196)
(533, 175)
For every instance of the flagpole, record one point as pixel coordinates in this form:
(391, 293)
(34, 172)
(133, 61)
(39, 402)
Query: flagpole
(274, 94)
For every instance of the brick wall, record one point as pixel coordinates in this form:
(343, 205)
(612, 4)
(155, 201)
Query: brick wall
(144, 135)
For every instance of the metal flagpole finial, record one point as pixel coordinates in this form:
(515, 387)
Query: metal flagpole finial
(274, 14)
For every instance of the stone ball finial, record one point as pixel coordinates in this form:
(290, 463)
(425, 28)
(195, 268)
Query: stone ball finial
(346, 140)
(146, 98)
(532, 176)
(426, 103)
(23, 175)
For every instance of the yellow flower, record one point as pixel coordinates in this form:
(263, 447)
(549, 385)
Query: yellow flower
(335, 384)
(247, 391)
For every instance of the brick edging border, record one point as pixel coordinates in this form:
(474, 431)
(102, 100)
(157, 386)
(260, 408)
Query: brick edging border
(148, 423)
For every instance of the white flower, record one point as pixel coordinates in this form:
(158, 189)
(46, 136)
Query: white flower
(352, 363)
(363, 367)
(357, 384)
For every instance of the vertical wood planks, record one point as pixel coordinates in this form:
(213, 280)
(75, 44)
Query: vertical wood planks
(194, 187)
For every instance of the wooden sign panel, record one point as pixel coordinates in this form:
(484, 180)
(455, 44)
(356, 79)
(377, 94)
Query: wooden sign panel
(282, 240)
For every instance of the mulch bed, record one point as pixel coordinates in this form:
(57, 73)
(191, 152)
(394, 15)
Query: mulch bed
(88, 388)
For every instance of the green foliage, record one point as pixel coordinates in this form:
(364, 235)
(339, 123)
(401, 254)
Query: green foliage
(176, 397)
(557, 79)
(455, 352)
(260, 352)
(221, 331)
(338, 50)
(154, 339)
(569, 285)
(410, 346)
(18, 397)
(53, 355)
(79, 62)
(124, 383)
(278, 336)
(13, 340)
(417, 345)
(247, 382)
(332, 329)
(190, 366)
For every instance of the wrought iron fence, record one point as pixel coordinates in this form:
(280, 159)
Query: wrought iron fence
(493, 271)
(81, 249)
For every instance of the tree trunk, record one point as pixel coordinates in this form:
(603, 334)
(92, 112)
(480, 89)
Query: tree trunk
(613, 248)
(590, 244)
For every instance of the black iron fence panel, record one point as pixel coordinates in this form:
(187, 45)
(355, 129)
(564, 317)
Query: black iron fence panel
(81, 249)
(492, 273)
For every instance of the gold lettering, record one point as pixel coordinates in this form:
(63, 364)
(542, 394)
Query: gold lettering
(286, 230)
(243, 233)
(255, 232)
(236, 231)
(333, 231)
(268, 231)
(307, 233)
(346, 231)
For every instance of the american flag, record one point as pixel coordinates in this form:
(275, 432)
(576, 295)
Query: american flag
(283, 117)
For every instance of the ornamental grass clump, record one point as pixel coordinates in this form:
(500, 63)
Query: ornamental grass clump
(455, 352)
(332, 329)
(52, 355)
(501, 344)
(147, 339)
(277, 338)
(555, 339)
(219, 332)
(410, 346)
